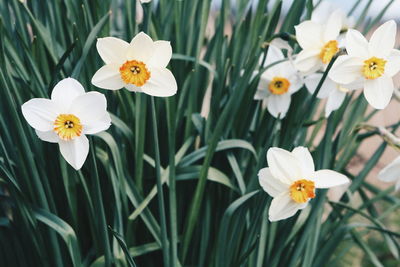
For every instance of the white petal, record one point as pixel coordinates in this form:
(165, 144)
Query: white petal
(40, 113)
(346, 69)
(49, 136)
(108, 77)
(383, 39)
(98, 125)
(379, 91)
(261, 94)
(90, 108)
(133, 88)
(333, 26)
(307, 163)
(309, 35)
(327, 87)
(141, 48)
(161, 83)
(65, 91)
(270, 184)
(307, 60)
(329, 178)
(283, 207)
(162, 54)
(391, 172)
(75, 151)
(334, 102)
(274, 54)
(392, 66)
(356, 44)
(278, 105)
(296, 83)
(284, 165)
(112, 50)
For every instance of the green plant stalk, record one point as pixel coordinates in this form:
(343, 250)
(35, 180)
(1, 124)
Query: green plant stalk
(100, 207)
(160, 193)
(171, 103)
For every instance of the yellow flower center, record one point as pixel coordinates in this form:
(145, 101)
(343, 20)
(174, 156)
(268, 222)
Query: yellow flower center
(68, 126)
(328, 51)
(279, 85)
(374, 68)
(302, 190)
(134, 72)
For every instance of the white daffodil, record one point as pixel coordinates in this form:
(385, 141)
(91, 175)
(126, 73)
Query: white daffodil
(145, 1)
(139, 66)
(291, 180)
(319, 43)
(373, 64)
(391, 173)
(334, 92)
(67, 117)
(278, 83)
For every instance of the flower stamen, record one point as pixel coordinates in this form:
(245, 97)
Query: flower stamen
(134, 72)
(374, 68)
(328, 51)
(279, 86)
(67, 126)
(302, 190)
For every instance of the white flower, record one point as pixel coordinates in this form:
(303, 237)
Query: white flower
(334, 92)
(139, 66)
(319, 43)
(291, 180)
(278, 83)
(373, 64)
(145, 1)
(391, 173)
(67, 117)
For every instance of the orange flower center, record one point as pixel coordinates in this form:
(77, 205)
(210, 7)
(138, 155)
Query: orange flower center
(134, 72)
(328, 51)
(302, 190)
(279, 86)
(68, 126)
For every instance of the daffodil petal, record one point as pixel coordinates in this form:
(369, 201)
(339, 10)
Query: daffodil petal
(383, 39)
(356, 44)
(270, 184)
(283, 207)
(346, 69)
(274, 54)
(307, 163)
(333, 26)
(308, 60)
(108, 77)
(284, 165)
(40, 113)
(329, 178)
(112, 50)
(133, 88)
(261, 94)
(309, 35)
(378, 92)
(327, 87)
(334, 102)
(278, 105)
(162, 54)
(161, 83)
(141, 48)
(391, 172)
(90, 108)
(49, 136)
(392, 66)
(296, 82)
(65, 92)
(75, 151)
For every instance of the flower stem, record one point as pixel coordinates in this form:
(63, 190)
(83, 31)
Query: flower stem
(160, 194)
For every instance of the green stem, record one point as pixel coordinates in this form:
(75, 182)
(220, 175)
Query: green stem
(160, 194)
(100, 207)
(172, 181)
